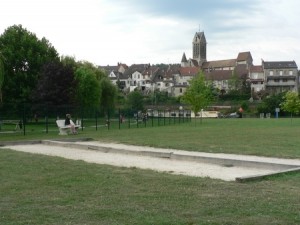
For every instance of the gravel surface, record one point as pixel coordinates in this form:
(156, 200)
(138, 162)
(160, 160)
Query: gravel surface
(172, 166)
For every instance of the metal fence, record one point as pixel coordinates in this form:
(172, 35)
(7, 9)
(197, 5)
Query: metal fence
(33, 118)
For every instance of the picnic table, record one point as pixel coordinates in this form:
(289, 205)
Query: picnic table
(18, 124)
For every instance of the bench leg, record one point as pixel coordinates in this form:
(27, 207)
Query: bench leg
(63, 131)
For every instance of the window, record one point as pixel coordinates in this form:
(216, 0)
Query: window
(291, 72)
(284, 80)
(180, 90)
(138, 76)
(280, 72)
(276, 80)
(271, 72)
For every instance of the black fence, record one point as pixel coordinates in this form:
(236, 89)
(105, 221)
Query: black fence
(29, 118)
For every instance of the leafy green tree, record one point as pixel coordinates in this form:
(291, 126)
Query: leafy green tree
(135, 101)
(88, 87)
(1, 76)
(108, 94)
(291, 103)
(270, 103)
(199, 94)
(25, 55)
(56, 85)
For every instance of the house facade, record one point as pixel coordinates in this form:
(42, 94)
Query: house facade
(273, 76)
(280, 76)
(257, 78)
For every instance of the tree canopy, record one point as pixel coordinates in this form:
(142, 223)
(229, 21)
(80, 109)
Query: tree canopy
(56, 85)
(1, 76)
(88, 88)
(291, 103)
(199, 94)
(108, 94)
(135, 101)
(24, 55)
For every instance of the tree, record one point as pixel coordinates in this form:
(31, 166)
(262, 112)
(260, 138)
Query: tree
(135, 101)
(199, 94)
(270, 103)
(291, 103)
(57, 84)
(1, 76)
(108, 94)
(24, 57)
(88, 87)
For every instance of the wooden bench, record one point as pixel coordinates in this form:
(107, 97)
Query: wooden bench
(63, 129)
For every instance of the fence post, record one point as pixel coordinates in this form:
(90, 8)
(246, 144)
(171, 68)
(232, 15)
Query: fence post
(46, 124)
(119, 119)
(24, 118)
(96, 118)
(152, 115)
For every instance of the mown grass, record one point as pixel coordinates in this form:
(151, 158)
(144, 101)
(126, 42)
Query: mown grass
(264, 137)
(38, 189)
(49, 190)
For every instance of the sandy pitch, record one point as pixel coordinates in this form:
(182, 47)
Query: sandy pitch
(143, 162)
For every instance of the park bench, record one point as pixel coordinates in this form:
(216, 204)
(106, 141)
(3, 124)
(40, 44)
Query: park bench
(63, 129)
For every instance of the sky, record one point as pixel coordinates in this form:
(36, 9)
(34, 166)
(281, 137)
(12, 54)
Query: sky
(105, 32)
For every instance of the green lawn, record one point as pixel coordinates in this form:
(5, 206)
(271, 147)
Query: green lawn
(49, 190)
(266, 137)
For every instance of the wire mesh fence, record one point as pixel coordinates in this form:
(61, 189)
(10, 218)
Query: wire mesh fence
(42, 118)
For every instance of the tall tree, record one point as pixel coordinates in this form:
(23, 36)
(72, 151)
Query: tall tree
(56, 85)
(88, 86)
(291, 103)
(135, 101)
(25, 55)
(1, 76)
(108, 94)
(199, 94)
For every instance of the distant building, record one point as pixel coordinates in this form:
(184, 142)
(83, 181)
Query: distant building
(257, 78)
(280, 76)
(199, 48)
(272, 77)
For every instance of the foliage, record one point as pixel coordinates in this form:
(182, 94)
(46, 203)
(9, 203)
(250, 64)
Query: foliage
(88, 87)
(25, 55)
(245, 105)
(1, 76)
(108, 94)
(291, 103)
(270, 103)
(56, 85)
(70, 62)
(135, 101)
(199, 94)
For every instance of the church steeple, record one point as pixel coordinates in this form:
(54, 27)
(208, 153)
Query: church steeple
(199, 47)
(184, 61)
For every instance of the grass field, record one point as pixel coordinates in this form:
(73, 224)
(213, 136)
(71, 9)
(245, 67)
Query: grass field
(49, 190)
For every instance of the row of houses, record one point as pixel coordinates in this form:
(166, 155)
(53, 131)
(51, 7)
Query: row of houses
(270, 76)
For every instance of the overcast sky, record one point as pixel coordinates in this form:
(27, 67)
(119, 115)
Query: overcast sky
(106, 32)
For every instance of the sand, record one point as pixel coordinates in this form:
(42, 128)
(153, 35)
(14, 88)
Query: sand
(172, 166)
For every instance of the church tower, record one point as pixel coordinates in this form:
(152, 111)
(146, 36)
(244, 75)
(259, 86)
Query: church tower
(199, 47)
